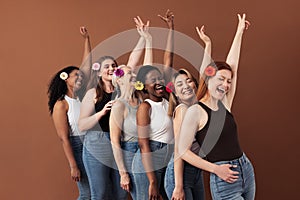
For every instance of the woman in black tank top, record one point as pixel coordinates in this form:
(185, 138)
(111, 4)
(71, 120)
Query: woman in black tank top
(211, 123)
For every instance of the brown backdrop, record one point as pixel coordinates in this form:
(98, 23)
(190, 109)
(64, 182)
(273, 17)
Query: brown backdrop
(40, 37)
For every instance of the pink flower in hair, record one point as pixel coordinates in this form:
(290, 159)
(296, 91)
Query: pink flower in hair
(170, 87)
(210, 71)
(96, 66)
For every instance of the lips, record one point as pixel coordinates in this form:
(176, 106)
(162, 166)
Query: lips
(221, 90)
(187, 92)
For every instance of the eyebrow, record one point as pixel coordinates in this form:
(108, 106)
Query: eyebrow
(225, 77)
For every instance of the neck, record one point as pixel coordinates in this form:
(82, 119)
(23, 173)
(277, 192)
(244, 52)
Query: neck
(71, 93)
(108, 87)
(155, 98)
(211, 102)
(190, 102)
(128, 95)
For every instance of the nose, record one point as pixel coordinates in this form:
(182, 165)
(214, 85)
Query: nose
(111, 67)
(186, 86)
(226, 84)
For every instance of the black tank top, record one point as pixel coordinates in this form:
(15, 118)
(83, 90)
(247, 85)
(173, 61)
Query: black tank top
(218, 138)
(104, 121)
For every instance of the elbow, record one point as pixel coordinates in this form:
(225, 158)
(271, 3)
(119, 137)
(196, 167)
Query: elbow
(181, 151)
(81, 126)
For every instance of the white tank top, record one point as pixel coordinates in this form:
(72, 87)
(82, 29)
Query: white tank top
(161, 127)
(73, 116)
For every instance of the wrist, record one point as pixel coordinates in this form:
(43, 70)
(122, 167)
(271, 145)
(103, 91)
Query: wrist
(123, 173)
(73, 166)
(213, 169)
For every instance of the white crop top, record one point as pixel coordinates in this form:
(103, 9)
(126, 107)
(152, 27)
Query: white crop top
(161, 126)
(73, 116)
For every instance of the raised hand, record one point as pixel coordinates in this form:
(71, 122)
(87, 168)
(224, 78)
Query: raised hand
(168, 18)
(143, 29)
(84, 32)
(202, 35)
(243, 23)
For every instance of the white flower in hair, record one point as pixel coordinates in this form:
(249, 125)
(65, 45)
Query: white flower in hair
(96, 66)
(63, 75)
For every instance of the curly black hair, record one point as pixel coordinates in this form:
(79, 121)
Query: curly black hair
(57, 87)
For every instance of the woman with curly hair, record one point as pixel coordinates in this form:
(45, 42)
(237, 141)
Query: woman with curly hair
(65, 92)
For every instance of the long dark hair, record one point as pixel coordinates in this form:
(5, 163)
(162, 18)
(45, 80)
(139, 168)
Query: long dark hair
(173, 100)
(202, 89)
(96, 81)
(57, 87)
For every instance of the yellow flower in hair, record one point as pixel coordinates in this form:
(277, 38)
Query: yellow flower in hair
(139, 85)
(63, 75)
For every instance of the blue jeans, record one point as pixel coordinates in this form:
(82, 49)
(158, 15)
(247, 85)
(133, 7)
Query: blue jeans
(192, 181)
(99, 161)
(243, 188)
(129, 151)
(160, 153)
(83, 184)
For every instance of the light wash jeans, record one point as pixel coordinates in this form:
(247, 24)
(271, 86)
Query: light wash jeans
(242, 189)
(83, 184)
(129, 151)
(99, 161)
(161, 154)
(192, 181)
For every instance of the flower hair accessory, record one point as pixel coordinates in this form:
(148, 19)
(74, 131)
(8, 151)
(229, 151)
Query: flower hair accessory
(139, 85)
(170, 87)
(63, 76)
(96, 66)
(119, 72)
(210, 71)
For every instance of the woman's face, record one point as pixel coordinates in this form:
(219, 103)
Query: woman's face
(154, 84)
(184, 88)
(107, 69)
(220, 84)
(129, 77)
(75, 79)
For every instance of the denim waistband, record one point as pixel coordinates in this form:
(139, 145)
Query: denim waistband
(158, 144)
(101, 133)
(239, 161)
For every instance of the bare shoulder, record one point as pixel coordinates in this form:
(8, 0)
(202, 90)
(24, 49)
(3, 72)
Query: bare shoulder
(118, 105)
(91, 93)
(144, 106)
(61, 105)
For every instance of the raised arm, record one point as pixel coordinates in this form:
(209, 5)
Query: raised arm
(233, 57)
(169, 52)
(61, 124)
(143, 30)
(137, 51)
(207, 50)
(116, 123)
(87, 56)
(143, 123)
(193, 121)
